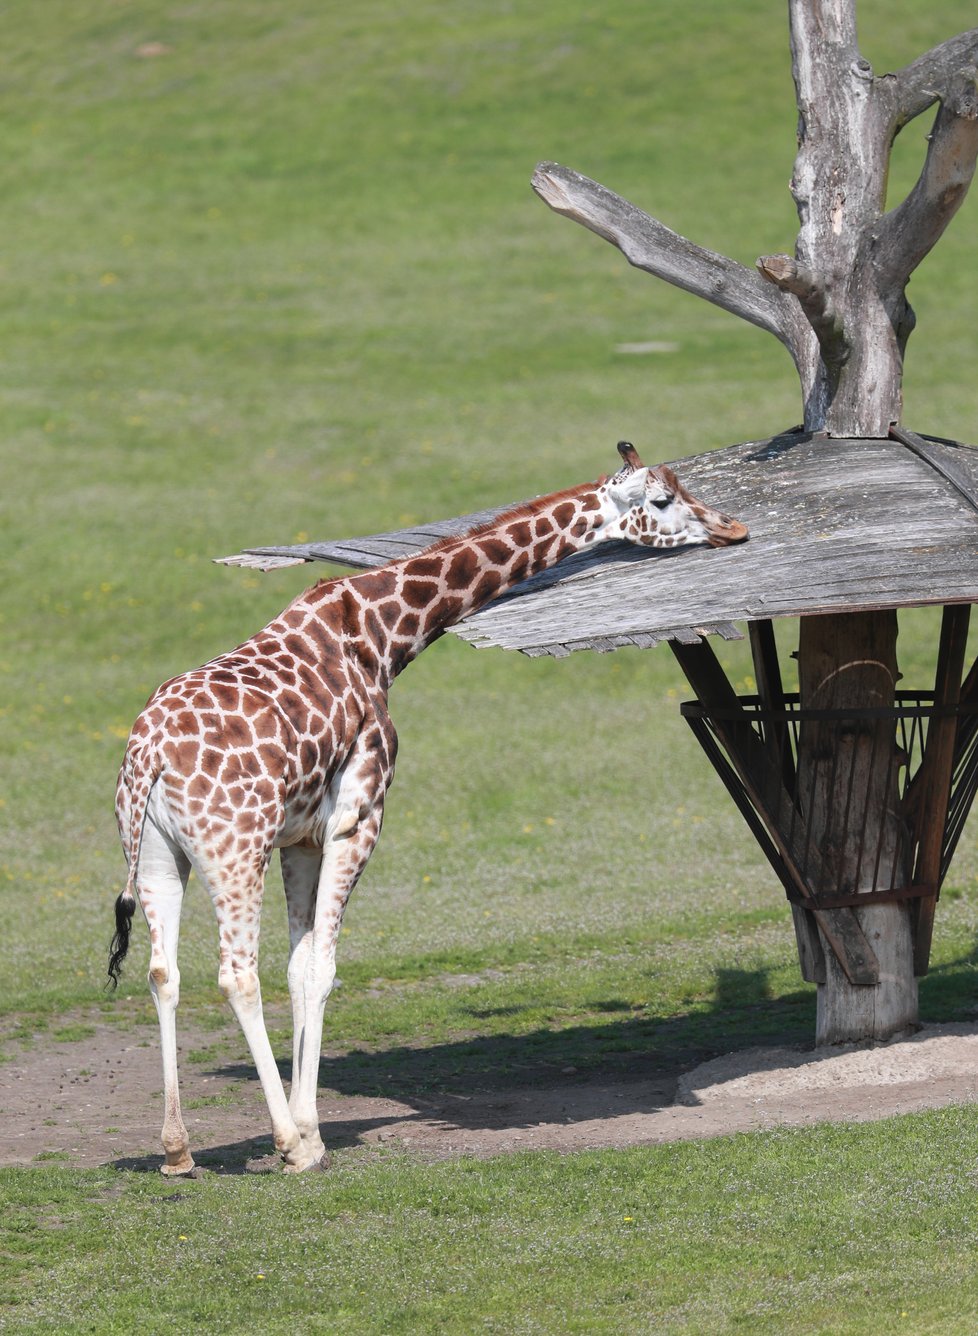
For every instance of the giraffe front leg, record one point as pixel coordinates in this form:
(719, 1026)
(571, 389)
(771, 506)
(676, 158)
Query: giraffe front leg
(162, 880)
(300, 876)
(344, 858)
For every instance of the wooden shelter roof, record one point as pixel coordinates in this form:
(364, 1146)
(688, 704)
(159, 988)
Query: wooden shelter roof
(836, 526)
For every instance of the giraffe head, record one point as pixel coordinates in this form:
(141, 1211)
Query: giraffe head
(655, 510)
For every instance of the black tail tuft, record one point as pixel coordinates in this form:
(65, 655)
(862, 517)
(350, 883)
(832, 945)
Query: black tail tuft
(125, 907)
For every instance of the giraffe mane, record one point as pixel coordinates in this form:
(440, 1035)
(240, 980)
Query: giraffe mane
(525, 510)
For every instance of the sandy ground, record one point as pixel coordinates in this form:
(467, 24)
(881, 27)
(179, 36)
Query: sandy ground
(97, 1100)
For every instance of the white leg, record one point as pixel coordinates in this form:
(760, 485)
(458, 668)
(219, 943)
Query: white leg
(237, 896)
(300, 875)
(162, 880)
(344, 858)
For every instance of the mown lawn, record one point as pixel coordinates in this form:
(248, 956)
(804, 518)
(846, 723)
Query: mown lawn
(779, 1232)
(273, 271)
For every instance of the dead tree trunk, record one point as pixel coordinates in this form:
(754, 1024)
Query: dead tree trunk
(839, 305)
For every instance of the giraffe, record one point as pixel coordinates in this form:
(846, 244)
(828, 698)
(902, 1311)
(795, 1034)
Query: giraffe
(286, 742)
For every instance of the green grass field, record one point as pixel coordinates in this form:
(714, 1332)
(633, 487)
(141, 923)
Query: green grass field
(773, 1233)
(273, 271)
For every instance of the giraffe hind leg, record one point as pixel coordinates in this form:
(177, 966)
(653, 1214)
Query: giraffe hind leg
(162, 880)
(344, 858)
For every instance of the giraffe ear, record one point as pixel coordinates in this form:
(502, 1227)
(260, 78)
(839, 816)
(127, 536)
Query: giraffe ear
(628, 489)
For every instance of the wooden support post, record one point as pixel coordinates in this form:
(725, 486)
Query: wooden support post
(964, 769)
(849, 663)
(936, 770)
(770, 691)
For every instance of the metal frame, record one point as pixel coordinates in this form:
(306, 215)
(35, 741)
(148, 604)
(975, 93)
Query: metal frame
(753, 742)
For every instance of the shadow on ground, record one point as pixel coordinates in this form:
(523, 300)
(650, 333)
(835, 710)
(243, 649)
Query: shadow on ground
(494, 1085)
(607, 1082)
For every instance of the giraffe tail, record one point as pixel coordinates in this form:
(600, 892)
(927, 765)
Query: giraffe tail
(125, 907)
(125, 904)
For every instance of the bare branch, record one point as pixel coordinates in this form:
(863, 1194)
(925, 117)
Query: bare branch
(921, 83)
(908, 232)
(650, 245)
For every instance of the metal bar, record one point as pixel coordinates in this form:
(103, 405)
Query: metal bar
(767, 793)
(728, 774)
(859, 899)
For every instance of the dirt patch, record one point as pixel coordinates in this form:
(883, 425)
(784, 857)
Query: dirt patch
(95, 1098)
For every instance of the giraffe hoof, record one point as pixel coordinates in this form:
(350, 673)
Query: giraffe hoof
(313, 1166)
(182, 1168)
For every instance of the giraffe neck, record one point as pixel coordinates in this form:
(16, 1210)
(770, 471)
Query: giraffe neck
(408, 604)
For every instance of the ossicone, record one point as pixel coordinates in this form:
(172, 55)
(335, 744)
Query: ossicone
(630, 455)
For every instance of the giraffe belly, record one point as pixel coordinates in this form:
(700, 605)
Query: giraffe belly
(314, 819)
(338, 806)
(306, 822)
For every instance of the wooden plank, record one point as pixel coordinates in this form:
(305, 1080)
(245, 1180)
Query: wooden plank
(811, 956)
(685, 635)
(937, 766)
(765, 788)
(770, 690)
(964, 767)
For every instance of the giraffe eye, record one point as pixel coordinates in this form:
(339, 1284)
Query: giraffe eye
(660, 502)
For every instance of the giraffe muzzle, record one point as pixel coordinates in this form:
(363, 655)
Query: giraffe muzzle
(724, 531)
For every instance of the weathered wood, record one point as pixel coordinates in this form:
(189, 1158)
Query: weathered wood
(650, 245)
(374, 550)
(860, 262)
(857, 259)
(887, 532)
(909, 232)
(843, 316)
(936, 769)
(839, 305)
(770, 691)
(918, 84)
(847, 664)
(941, 461)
